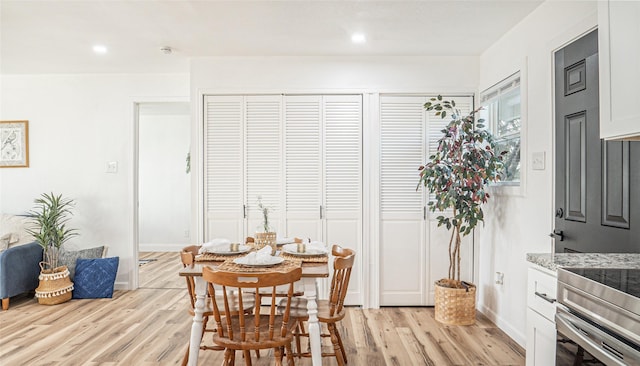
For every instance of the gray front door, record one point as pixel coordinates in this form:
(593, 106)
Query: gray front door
(597, 207)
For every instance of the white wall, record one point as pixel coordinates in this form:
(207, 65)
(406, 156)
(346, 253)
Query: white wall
(78, 123)
(296, 74)
(164, 185)
(520, 224)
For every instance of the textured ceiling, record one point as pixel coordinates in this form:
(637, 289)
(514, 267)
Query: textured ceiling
(57, 36)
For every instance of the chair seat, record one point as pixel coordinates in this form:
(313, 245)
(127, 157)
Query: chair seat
(299, 310)
(251, 342)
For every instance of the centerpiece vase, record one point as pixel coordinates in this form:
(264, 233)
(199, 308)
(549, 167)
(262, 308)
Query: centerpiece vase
(266, 238)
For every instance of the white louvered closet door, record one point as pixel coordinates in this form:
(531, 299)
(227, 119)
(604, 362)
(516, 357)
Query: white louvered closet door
(342, 209)
(303, 166)
(223, 176)
(403, 250)
(263, 159)
(414, 250)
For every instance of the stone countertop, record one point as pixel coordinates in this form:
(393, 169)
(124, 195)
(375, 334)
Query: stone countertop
(585, 260)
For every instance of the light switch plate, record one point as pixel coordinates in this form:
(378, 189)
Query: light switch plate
(537, 160)
(112, 167)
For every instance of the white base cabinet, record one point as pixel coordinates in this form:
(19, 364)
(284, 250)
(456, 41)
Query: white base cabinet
(541, 340)
(541, 309)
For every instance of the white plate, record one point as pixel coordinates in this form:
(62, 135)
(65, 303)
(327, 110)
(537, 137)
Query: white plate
(292, 249)
(226, 250)
(272, 261)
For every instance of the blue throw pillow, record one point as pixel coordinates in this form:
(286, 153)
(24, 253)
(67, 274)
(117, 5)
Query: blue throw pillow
(94, 278)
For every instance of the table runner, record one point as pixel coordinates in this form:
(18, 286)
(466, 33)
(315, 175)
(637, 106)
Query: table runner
(283, 267)
(212, 257)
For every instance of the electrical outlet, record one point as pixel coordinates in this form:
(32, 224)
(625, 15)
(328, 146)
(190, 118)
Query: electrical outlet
(499, 278)
(186, 234)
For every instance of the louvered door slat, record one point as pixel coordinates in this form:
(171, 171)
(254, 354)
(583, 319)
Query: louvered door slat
(343, 166)
(402, 152)
(263, 157)
(303, 154)
(223, 166)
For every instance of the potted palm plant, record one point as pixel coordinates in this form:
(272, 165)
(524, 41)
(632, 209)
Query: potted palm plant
(457, 175)
(49, 219)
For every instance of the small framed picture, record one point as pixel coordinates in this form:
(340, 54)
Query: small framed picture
(14, 144)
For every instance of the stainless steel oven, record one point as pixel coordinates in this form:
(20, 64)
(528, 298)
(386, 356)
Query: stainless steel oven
(598, 317)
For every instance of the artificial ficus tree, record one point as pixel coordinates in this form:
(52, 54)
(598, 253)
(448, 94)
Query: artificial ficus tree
(458, 173)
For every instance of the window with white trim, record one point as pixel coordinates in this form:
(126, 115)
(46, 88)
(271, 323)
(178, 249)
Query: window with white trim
(501, 112)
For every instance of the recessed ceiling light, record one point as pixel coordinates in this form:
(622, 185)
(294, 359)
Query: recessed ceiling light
(358, 38)
(100, 49)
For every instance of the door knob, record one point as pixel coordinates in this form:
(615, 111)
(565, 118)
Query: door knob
(559, 213)
(557, 234)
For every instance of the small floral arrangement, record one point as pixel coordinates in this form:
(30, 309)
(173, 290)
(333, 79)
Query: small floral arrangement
(265, 215)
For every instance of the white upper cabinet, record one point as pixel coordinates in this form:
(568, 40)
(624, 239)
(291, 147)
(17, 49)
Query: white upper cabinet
(619, 52)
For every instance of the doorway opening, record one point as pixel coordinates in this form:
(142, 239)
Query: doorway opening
(164, 191)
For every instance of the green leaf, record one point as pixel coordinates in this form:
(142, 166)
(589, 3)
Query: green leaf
(444, 113)
(439, 97)
(453, 103)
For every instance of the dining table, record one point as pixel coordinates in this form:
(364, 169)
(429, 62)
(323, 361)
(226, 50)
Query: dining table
(311, 272)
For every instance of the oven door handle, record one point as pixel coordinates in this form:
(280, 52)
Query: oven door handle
(591, 340)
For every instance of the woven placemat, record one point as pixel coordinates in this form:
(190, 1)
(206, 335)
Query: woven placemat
(283, 267)
(212, 257)
(307, 258)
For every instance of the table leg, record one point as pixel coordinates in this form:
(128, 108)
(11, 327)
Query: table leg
(196, 327)
(311, 292)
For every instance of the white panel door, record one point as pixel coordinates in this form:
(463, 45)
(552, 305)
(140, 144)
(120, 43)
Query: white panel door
(263, 159)
(303, 166)
(342, 212)
(414, 251)
(403, 259)
(223, 175)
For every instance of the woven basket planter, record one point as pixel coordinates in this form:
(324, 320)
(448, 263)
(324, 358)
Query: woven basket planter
(55, 286)
(455, 304)
(264, 239)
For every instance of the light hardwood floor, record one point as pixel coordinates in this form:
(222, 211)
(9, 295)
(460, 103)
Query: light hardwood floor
(150, 326)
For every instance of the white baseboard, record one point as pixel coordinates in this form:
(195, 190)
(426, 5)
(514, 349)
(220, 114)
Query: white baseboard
(161, 247)
(505, 326)
(121, 286)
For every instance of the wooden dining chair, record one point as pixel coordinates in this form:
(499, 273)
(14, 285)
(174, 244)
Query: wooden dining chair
(256, 331)
(330, 311)
(187, 256)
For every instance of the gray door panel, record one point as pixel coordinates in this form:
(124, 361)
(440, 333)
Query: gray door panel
(597, 183)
